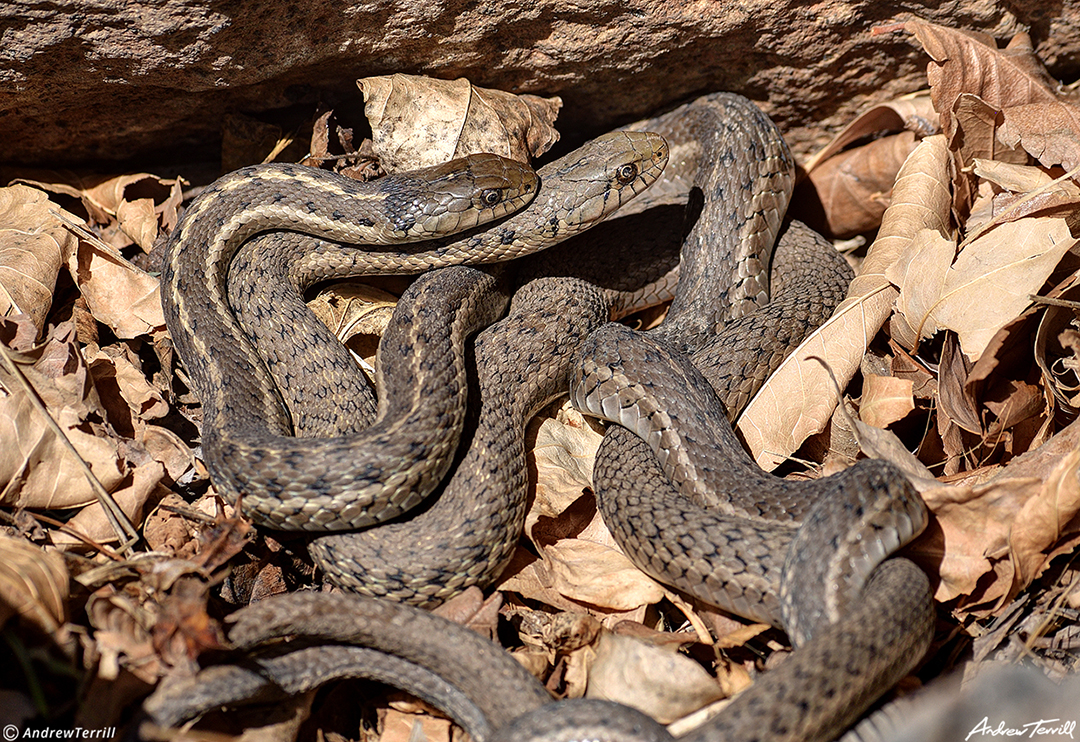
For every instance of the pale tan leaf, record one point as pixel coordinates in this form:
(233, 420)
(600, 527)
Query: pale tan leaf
(33, 246)
(421, 121)
(970, 534)
(351, 308)
(138, 220)
(799, 397)
(115, 372)
(661, 683)
(993, 538)
(564, 451)
(168, 448)
(133, 199)
(921, 274)
(1050, 516)
(580, 560)
(1019, 191)
(402, 726)
(36, 469)
(133, 494)
(594, 574)
(921, 200)
(357, 314)
(885, 400)
(914, 111)
(33, 584)
(1019, 178)
(989, 283)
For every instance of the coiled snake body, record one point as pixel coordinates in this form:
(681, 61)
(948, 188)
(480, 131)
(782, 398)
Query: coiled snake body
(886, 632)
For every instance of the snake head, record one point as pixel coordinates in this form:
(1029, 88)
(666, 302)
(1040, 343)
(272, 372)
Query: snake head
(593, 181)
(464, 193)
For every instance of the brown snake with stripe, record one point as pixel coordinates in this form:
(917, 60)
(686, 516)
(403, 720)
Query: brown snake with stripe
(899, 627)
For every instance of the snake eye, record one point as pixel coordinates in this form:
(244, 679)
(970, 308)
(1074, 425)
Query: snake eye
(626, 173)
(491, 197)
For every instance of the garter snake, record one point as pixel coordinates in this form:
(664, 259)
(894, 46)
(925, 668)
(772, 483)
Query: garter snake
(888, 629)
(248, 443)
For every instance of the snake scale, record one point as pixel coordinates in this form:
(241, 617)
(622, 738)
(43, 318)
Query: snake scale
(856, 652)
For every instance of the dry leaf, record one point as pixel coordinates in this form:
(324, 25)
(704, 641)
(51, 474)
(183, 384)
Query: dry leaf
(120, 295)
(911, 112)
(36, 470)
(139, 487)
(33, 245)
(1006, 526)
(1060, 368)
(989, 284)
(127, 208)
(855, 187)
(357, 314)
(33, 585)
(967, 62)
(885, 400)
(598, 575)
(956, 396)
(421, 121)
(122, 636)
(399, 726)
(662, 683)
(798, 398)
(1047, 132)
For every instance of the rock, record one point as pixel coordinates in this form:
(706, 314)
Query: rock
(114, 80)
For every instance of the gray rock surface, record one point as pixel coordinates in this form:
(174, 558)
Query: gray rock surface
(85, 80)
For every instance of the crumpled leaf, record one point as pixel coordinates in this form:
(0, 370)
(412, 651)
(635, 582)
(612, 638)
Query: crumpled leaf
(129, 208)
(911, 112)
(1047, 132)
(120, 295)
(579, 558)
(1057, 351)
(35, 468)
(33, 245)
(1007, 526)
(421, 121)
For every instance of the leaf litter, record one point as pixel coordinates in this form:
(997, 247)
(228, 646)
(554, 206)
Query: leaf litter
(957, 351)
